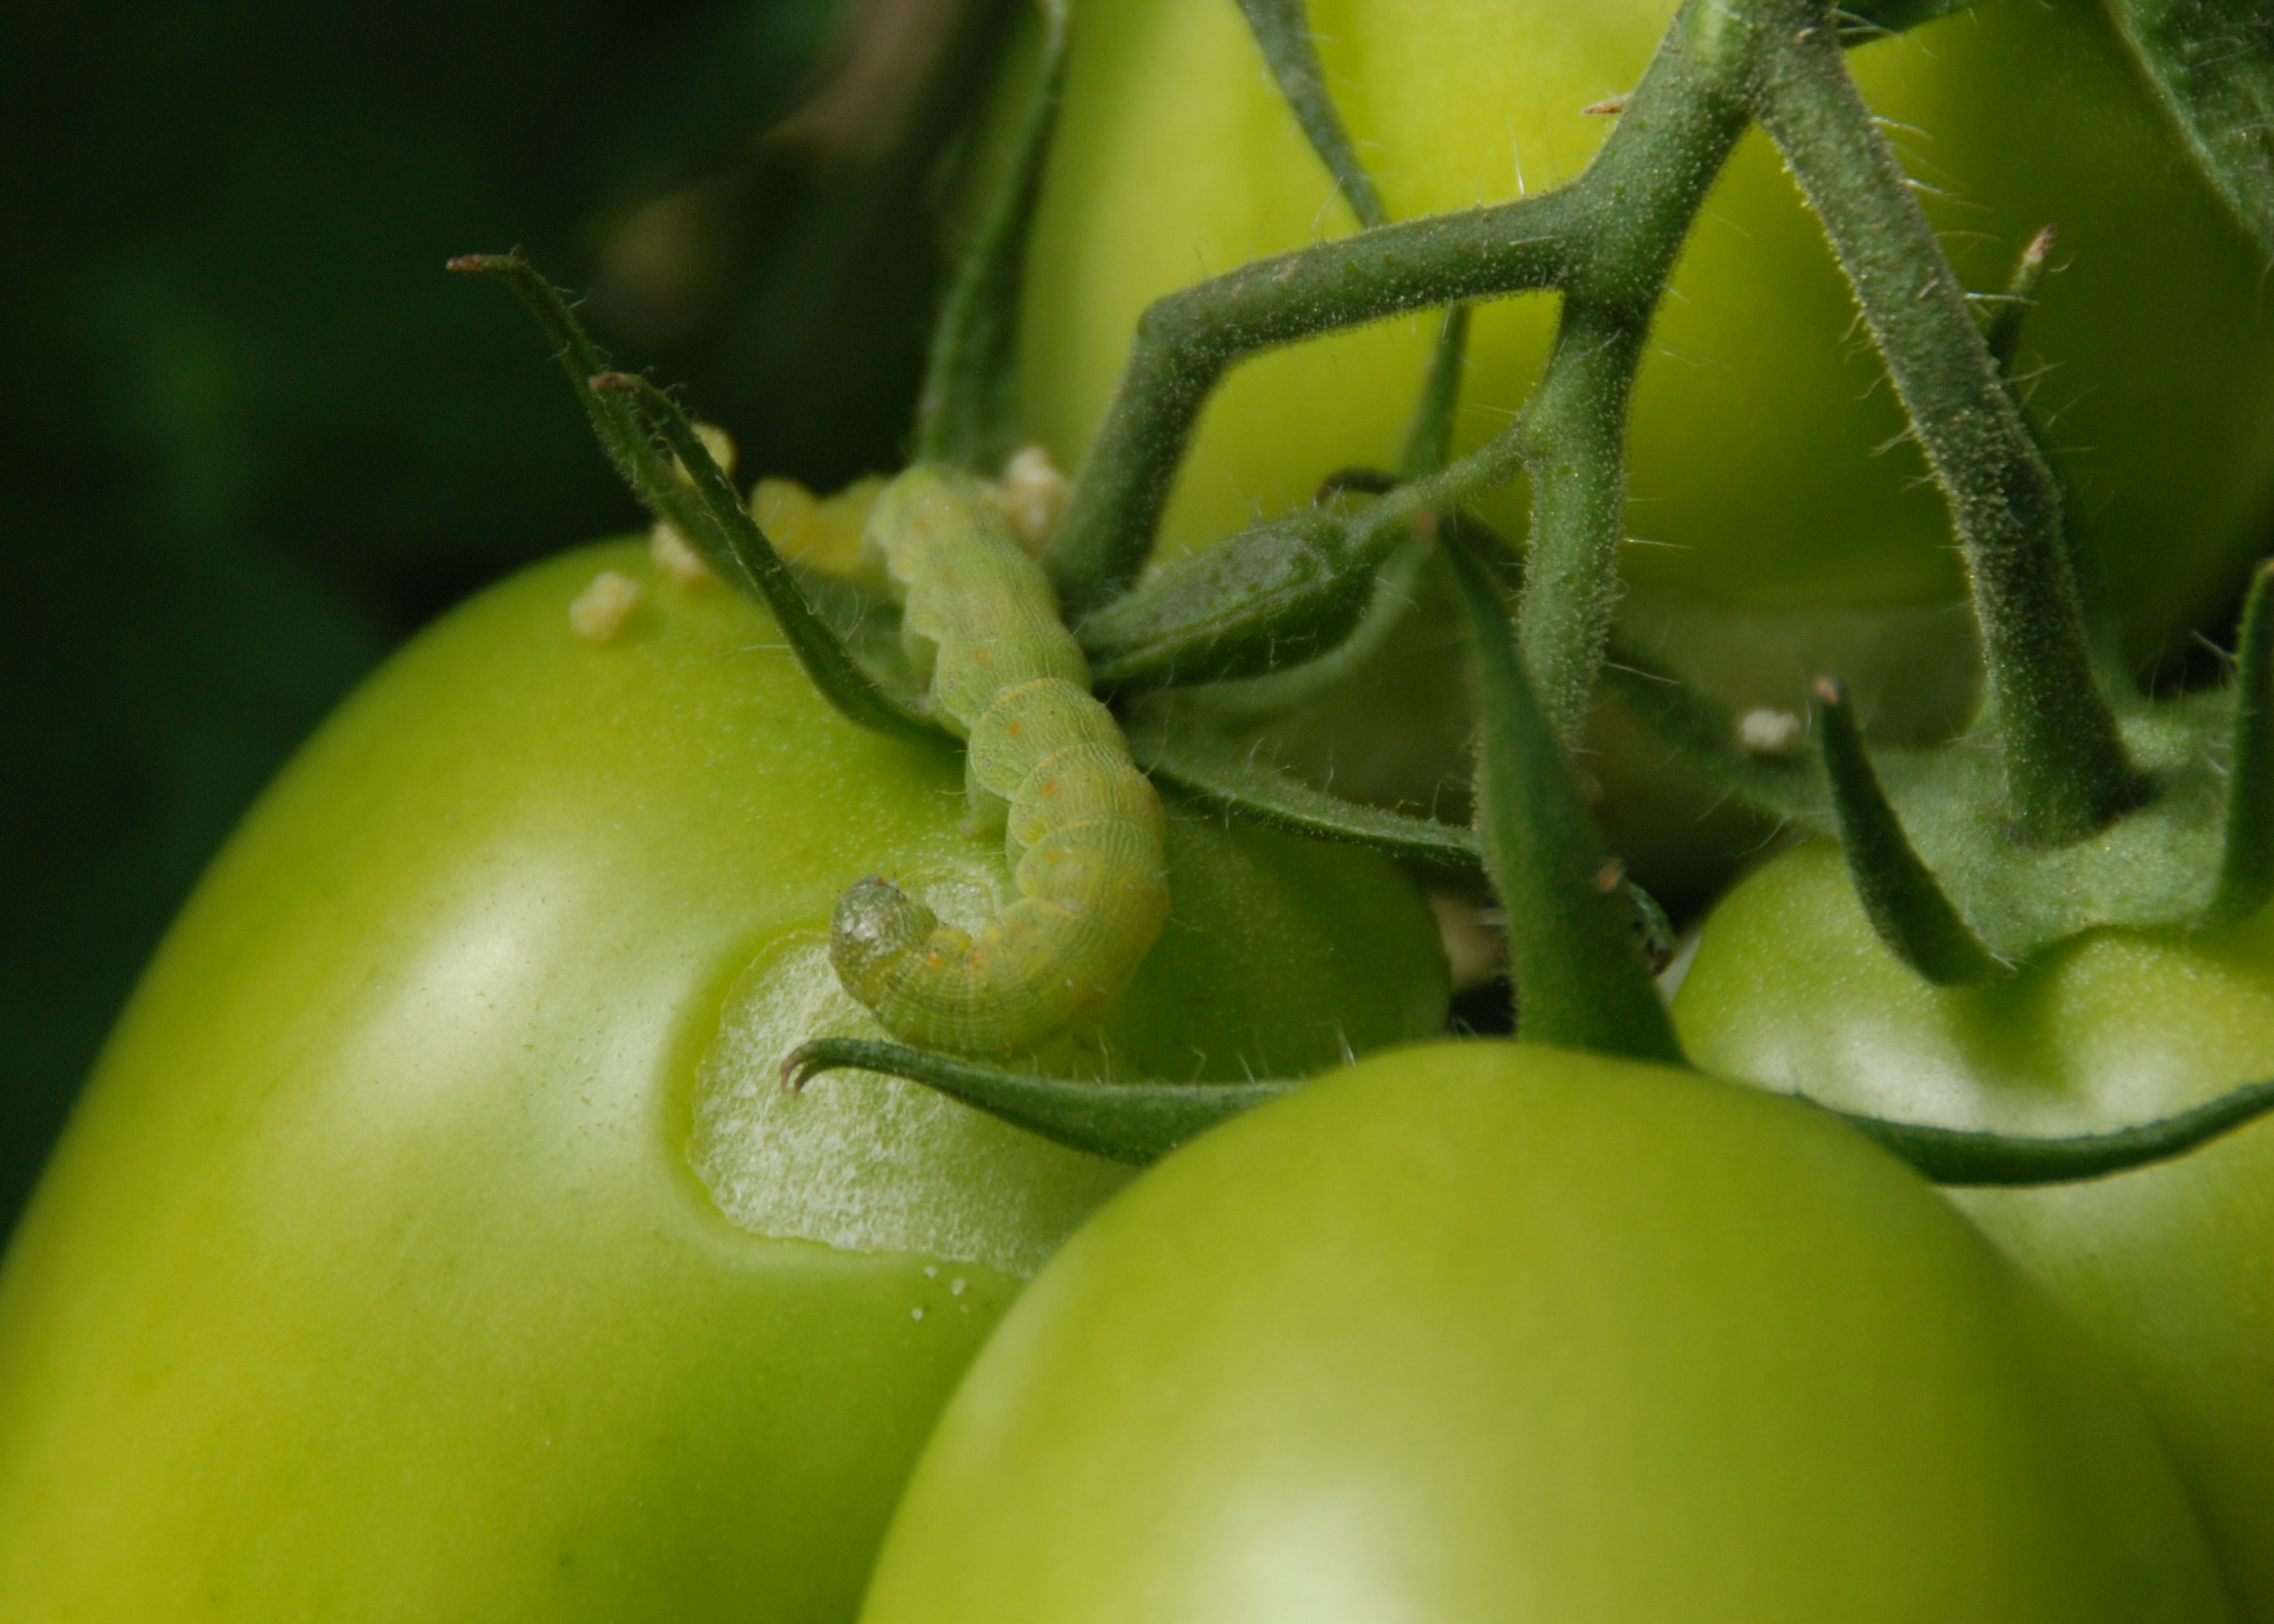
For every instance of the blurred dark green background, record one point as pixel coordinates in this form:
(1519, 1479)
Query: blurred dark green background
(254, 436)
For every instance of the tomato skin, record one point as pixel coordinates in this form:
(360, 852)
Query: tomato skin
(1757, 471)
(373, 1278)
(2172, 1266)
(1481, 1332)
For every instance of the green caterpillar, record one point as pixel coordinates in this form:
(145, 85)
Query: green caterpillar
(1045, 765)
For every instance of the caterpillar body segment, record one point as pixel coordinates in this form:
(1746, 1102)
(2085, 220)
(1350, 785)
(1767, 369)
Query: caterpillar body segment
(1046, 768)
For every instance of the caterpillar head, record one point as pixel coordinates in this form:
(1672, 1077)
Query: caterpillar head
(874, 923)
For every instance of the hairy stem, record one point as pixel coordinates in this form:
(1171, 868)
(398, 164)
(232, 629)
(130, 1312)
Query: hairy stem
(1581, 979)
(2067, 773)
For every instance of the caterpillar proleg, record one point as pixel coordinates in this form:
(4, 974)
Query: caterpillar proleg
(1046, 766)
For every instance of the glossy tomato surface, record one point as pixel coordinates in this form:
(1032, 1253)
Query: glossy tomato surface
(2172, 1266)
(1487, 1332)
(1767, 471)
(434, 1241)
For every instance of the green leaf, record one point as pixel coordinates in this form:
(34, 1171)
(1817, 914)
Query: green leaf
(1226, 777)
(2212, 62)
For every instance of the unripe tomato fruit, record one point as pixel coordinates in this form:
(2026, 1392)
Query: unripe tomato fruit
(1763, 472)
(387, 1269)
(2173, 1266)
(1479, 1333)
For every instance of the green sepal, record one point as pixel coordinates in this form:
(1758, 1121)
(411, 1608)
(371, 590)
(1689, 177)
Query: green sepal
(629, 416)
(1962, 1158)
(1899, 895)
(1133, 1123)
(966, 413)
(1138, 1123)
(2246, 851)
(1582, 981)
(1282, 28)
(630, 447)
(1278, 594)
(731, 543)
(2211, 61)
(1225, 777)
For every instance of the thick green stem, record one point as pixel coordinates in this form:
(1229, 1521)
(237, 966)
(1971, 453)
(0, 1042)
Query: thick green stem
(1610, 240)
(1573, 435)
(2067, 773)
(1185, 341)
(1581, 980)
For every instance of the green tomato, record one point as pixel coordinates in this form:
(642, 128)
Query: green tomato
(2173, 1265)
(434, 1241)
(1759, 479)
(1488, 1332)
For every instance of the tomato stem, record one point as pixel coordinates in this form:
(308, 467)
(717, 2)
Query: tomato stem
(1609, 240)
(2067, 773)
(1899, 893)
(1581, 978)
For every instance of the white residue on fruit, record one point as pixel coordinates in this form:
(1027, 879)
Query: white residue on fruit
(862, 1162)
(600, 610)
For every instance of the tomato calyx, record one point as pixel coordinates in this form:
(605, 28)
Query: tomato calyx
(1950, 888)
